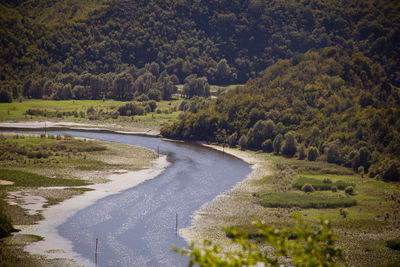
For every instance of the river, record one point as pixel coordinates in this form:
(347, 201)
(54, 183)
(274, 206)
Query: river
(138, 226)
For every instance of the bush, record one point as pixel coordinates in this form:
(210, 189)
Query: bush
(243, 141)
(334, 188)
(304, 201)
(349, 190)
(393, 243)
(302, 152)
(320, 185)
(6, 227)
(289, 145)
(327, 181)
(312, 154)
(277, 143)
(267, 146)
(307, 188)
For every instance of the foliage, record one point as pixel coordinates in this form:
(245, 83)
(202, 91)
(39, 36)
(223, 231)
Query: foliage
(349, 190)
(393, 243)
(46, 45)
(310, 247)
(304, 201)
(22, 178)
(5, 222)
(309, 95)
(307, 188)
(312, 154)
(320, 185)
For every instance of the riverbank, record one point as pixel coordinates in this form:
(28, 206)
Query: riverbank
(362, 229)
(38, 210)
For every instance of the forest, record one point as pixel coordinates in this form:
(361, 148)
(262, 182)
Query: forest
(107, 49)
(326, 104)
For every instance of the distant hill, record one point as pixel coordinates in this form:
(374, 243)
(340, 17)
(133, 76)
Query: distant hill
(225, 41)
(341, 103)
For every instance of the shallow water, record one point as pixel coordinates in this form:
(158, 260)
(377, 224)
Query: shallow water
(138, 226)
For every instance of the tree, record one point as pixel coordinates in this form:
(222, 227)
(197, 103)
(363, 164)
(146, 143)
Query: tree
(333, 154)
(311, 247)
(223, 72)
(266, 146)
(5, 96)
(196, 87)
(312, 154)
(289, 145)
(277, 144)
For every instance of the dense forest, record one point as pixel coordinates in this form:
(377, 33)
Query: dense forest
(99, 49)
(335, 105)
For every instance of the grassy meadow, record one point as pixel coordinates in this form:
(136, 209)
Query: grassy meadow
(364, 218)
(104, 112)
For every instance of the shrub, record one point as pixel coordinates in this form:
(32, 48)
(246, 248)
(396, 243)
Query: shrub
(243, 141)
(267, 146)
(393, 243)
(304, 201)
(320, 185)
(5, 222)
(334, 188)
(312, 154)
(349, 190)
(289, 145)
(302, 152)
(327, 181)
(277, 143)
(307, 188)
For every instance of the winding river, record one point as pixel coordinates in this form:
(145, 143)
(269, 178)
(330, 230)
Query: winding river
(138, 226)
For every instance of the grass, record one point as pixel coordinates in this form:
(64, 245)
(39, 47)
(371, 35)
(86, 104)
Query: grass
(304, 201)
(319, 184)
(71, 110)
(362, 229)
(26, 179)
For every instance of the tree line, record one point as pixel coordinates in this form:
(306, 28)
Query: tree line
(226, 42)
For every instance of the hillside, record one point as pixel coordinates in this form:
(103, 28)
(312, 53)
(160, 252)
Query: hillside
(46, 44)
(341, 103)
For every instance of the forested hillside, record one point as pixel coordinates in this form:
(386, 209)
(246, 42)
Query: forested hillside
(78, 49)
(329, 102)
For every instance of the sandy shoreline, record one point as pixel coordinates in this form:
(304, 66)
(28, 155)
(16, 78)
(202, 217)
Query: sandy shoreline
(54, 246)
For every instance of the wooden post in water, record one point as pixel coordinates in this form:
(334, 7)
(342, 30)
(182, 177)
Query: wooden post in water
(95, 253)
(176, 222)
(158, 151)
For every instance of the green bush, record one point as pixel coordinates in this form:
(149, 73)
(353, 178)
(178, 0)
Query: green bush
(393, 243)
(307, 188)
(327, 181)
(305, 201)
(6, 227)
(320, 185)
(349, 190)
(312, 154)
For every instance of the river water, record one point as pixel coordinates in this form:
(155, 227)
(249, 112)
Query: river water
(138, 226)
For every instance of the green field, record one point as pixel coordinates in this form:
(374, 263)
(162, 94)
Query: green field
(77, 111)
(363, 222)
